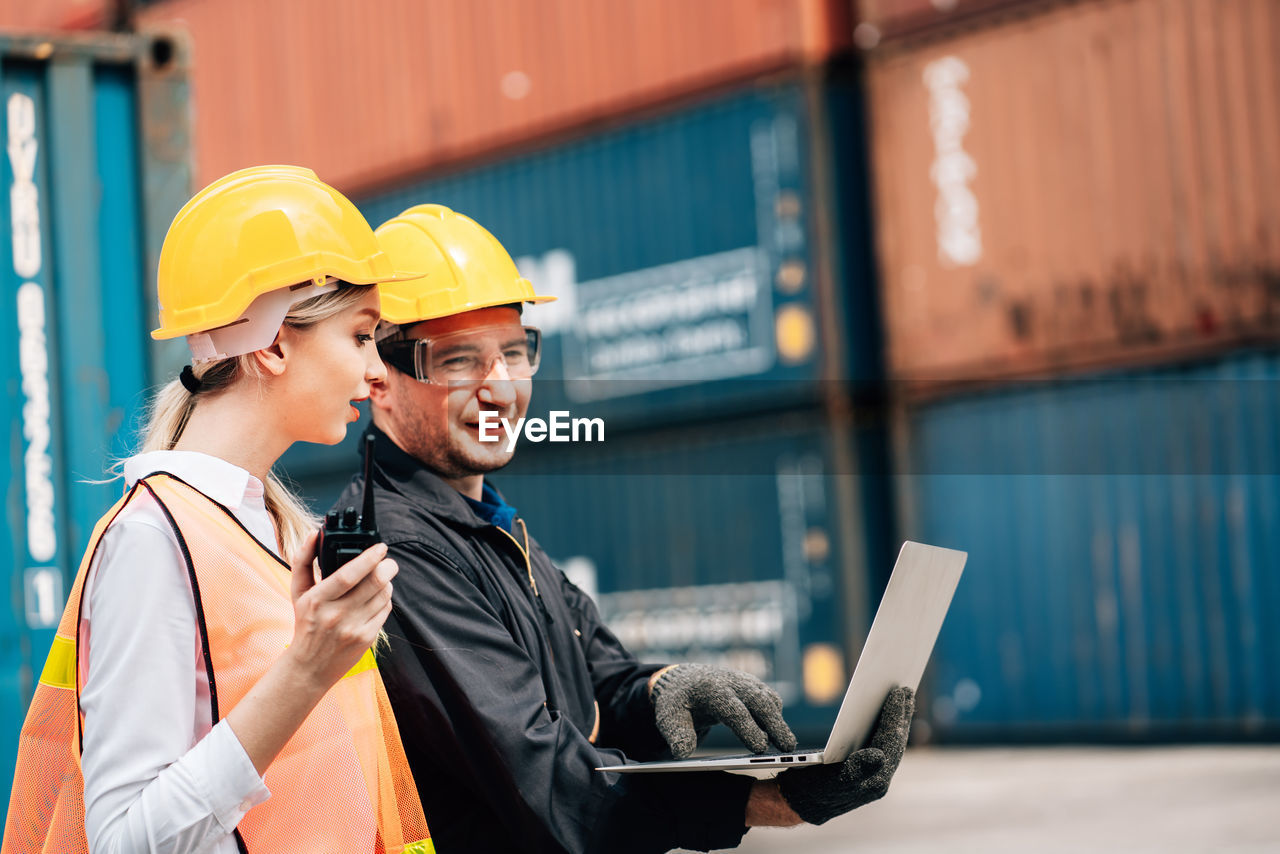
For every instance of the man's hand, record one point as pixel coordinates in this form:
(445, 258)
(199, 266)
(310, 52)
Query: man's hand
(820, 794)
(689, 698)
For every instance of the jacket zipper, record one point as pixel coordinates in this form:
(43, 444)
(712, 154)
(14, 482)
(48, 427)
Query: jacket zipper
(528, 565)
(546, 613)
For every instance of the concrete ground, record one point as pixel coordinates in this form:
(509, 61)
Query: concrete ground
(1171, 800)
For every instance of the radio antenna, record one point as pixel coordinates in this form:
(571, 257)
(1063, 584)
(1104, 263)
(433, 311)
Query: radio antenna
(367, 520)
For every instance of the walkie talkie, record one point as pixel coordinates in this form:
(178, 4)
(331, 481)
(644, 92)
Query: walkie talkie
(346, 535)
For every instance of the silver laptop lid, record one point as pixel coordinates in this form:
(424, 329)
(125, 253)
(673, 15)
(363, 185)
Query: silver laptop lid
(906, 626)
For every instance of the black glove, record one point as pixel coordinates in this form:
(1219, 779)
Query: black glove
(689, 698)
(820, 794)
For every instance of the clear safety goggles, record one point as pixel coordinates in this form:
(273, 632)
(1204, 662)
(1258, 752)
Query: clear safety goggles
(468, 356)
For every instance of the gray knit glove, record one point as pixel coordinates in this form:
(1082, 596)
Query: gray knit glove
(689, 698)
(820, 794)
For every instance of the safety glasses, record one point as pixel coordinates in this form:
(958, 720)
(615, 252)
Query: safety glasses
(468, 356)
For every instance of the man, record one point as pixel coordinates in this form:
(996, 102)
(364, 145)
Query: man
(508, 689)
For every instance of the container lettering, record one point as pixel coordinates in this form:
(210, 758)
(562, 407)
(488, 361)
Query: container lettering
(24, 197)
(956, 210)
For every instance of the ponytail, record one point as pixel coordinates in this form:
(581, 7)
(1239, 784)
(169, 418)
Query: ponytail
(294, 522)
(167, 418)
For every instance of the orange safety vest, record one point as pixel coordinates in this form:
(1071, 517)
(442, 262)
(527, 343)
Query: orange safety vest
(341, 784)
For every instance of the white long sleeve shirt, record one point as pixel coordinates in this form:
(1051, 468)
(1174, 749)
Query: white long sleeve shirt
(158, 777)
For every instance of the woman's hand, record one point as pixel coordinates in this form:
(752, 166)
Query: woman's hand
(337, 619)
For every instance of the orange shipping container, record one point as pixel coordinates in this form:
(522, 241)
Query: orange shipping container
(1088, 187)
(365, 93)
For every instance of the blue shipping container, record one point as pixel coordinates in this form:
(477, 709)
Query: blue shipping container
(96, 136)
(710, 263)
(701, 258)
(1124, 538)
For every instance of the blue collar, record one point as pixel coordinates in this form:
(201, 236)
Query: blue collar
(493, 509)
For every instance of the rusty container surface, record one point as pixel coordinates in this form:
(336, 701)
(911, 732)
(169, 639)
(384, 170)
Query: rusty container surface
(367, 93)
(1086, 188)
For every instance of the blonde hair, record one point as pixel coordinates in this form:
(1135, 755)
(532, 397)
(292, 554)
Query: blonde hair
(171, 409)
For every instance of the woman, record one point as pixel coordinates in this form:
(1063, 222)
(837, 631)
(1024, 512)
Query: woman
(227, 696)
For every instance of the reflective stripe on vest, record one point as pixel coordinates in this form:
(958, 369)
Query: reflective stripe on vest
(60, 667)
(341, 783)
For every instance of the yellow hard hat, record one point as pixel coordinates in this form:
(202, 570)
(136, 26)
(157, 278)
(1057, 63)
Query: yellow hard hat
(256, 231)
(466, 267)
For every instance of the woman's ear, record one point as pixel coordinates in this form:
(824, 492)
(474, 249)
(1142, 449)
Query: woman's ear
(273, 359)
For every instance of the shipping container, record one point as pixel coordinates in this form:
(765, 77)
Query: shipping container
(96, 136)
(1123, 536)
(691, 254)
(709, 263)
(1080, 188)
(755, 544)
(367, 93)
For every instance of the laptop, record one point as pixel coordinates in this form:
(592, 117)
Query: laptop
(896, 652)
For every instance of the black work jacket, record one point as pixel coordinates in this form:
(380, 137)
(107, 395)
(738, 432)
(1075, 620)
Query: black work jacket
(500, 670)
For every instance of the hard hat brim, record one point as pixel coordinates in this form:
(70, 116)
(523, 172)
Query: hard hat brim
(165, 333)
(392, 316)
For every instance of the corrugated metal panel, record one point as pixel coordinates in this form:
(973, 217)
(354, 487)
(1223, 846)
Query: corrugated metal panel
(91, 178)
(1079, 188)
(746, 543)
(1123, 538)
(372, 92)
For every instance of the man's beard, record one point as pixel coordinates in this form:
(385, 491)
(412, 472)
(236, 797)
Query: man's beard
(438, 451)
